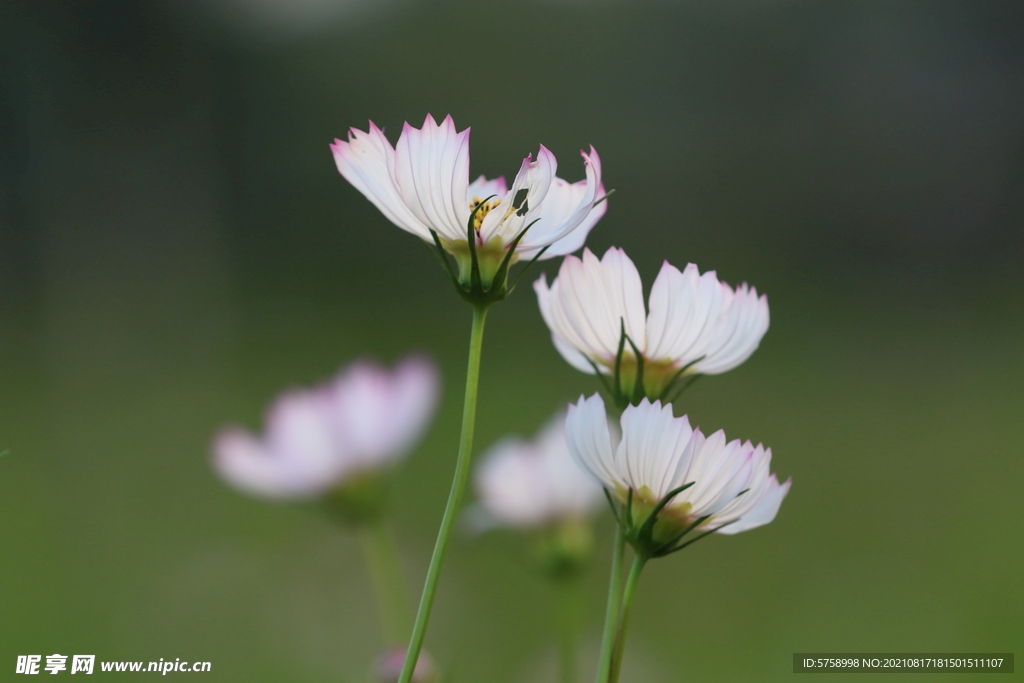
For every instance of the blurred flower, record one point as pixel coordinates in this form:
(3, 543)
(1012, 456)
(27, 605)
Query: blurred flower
(529, 484)
(337, 437)
(669, 479)
(696, 324)
(422, 186)
(536, 486)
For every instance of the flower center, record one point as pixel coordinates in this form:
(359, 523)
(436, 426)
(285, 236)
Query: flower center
(485, 208)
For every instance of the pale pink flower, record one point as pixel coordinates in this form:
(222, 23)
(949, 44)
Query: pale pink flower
(422, 185)
(694, 323)
(532, 483)
(730, 487)
(361, 422)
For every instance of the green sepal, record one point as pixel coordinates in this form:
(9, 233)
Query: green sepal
(694, 540)
(611, 504)
(666, 548)
(604, 197)
(501, 274)
(638, 383)
(525, 268)
(618, 366)
(474, 291)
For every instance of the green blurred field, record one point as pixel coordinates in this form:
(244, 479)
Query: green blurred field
(177, 248)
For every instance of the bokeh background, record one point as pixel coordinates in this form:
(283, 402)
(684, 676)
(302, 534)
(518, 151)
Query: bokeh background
(176, 247)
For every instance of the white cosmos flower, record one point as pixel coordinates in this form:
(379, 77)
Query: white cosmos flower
(422, 184)
(694, 322)
(316, 440)
(730, 481)
(529, 484)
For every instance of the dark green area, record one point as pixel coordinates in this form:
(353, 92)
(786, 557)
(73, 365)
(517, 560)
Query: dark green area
(176, 247)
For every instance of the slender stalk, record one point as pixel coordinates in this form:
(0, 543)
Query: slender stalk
(386, 576)
(611, 614)
(627, 603)
(569, 598)
(419, 630)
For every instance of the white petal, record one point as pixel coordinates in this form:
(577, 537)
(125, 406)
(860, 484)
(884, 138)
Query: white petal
(574, 357)
(508, 219)
(765, 509)
(695, 319)
(366, 161)
(751, 322)
(591, 299)
(653, 440)
(431, 171)
(589, 441)
(742, 504)
(567, 213)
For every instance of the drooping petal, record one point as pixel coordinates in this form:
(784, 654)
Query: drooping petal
(567, 213)
(431, 171)
(366, 160)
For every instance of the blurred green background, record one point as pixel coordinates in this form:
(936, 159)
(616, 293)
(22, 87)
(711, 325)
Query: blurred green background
(176, 247)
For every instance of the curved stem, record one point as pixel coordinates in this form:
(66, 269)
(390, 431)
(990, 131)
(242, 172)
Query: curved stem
(611, 614)
(386, 575)
(569, 598)
(419, 630)
(627, 602)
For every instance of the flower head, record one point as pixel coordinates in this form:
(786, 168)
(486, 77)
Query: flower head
(695, 324)
(530, 484)
(422, 186)
(340, 436)
(667, 479)
(536, 486)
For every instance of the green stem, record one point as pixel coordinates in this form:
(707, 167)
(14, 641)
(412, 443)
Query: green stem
(611, 614)
(569, 598)
(627, 602)
(451, 510)
(386, 576)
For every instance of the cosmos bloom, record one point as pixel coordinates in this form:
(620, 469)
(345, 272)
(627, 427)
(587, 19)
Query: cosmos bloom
(528, 484)
(422, 186)
(705, 483)
(317, 440)
(695, 324)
